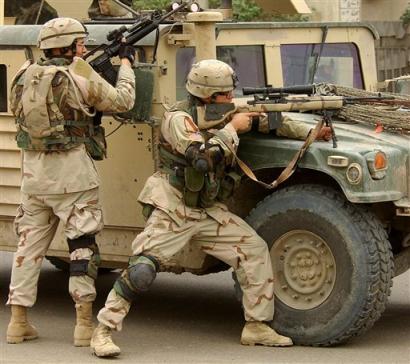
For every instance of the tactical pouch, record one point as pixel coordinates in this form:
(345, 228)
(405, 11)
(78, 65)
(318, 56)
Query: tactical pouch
(147, 210)
(23, 139)
(194, 180)
(229, 184)
(210, 192)
(97, 145)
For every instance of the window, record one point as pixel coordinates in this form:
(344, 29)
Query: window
(339, 63)
(3, 88)
(247, 61)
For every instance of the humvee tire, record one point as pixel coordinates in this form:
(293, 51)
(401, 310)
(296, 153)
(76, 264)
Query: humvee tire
(332, 262)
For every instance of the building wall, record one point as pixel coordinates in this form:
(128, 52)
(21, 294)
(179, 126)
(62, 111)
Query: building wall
(357, 10)
(324, 10)
(383, 10)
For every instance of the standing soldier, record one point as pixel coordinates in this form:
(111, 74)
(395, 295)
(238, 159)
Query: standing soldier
(182, 204)
(54, 102)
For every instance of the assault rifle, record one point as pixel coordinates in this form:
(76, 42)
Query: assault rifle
(274, 101)
(132, 35)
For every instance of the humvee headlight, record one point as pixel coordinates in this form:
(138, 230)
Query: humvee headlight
(193, 8)
(354, 173)
(377, 164)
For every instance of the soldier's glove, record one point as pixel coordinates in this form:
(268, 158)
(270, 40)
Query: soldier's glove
(127, 51)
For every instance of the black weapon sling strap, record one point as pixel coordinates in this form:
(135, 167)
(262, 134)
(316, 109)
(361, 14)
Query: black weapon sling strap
(290, 168)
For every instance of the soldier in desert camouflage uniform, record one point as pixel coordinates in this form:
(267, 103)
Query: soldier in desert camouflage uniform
(184, 210)
(108, 8)
(54, 102)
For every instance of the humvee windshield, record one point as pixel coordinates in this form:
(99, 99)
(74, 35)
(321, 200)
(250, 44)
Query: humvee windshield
(339, 63)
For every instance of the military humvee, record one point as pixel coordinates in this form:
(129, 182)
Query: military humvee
(334, 229)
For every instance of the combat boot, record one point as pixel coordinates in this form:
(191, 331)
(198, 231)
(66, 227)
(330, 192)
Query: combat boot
(84, 326)
(259, 333)
(19, 329)
(102, 344)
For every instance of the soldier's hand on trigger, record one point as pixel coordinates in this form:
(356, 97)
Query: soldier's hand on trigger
(324, 134)
(242, 122)
(127, 52)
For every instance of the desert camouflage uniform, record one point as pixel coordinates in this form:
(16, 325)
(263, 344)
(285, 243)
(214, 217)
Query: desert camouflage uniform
(62, 185)
(175, 232)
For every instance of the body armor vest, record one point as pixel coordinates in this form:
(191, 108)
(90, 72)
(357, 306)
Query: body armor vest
(199, 189)
(48, 115)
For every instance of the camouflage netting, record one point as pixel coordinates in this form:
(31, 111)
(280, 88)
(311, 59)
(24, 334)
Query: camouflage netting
(394, 115)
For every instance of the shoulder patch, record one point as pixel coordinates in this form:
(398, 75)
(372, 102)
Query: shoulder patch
(81, 68)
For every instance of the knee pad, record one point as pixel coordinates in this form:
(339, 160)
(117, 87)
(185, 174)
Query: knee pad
(83, 267)
(138, 277)
(141, 272)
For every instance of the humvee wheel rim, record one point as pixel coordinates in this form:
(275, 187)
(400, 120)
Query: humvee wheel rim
(304, 269)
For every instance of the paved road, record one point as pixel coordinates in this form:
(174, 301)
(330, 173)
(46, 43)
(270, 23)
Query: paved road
(188, 319)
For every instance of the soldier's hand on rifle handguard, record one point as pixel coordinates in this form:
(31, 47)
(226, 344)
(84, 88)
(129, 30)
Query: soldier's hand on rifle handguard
(127, 52)
(325, 134)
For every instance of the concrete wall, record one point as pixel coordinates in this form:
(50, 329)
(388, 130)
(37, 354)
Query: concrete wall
(357, 10)
(324, 10)
(383, 10)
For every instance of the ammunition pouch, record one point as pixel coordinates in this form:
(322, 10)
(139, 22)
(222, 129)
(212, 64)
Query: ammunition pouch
(199, 189)
(96, 144)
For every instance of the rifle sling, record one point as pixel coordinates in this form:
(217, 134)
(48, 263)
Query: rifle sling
(290, 168)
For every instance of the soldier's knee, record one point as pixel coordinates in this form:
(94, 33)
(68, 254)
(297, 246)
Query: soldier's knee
(81, 267)
(138, 277)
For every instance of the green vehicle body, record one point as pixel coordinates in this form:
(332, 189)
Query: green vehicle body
(377, 202)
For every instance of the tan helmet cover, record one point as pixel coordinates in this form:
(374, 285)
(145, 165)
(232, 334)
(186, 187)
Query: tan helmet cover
(60, 32)
(210, 76)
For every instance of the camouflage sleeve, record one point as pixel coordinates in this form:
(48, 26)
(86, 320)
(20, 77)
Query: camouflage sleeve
(99, 93)
(293, 129)
(226, 135)
(180, 131)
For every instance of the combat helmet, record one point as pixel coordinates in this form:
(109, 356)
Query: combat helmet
(60, 33)
(210, 76)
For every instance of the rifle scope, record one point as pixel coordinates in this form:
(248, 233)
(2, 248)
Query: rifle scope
(297, 89)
